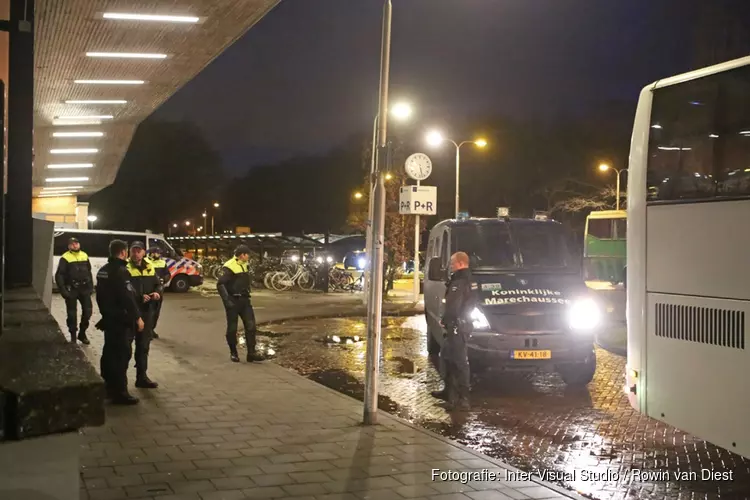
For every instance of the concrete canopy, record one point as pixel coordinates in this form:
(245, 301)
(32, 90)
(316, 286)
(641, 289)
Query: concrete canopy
(66, 34)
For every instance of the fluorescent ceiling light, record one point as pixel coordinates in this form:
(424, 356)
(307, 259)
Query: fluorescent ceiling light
(127, 55)
(67, 179)
(111, 82)
(71, 165)
(97, 101)
(84, 117)
(150, 17)
(656, 125)
(64, 123)
(73, 151)
(63, 188)
(78, 134)
(673, 148)
(56, 195)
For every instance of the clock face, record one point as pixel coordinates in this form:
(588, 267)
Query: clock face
(418, 166)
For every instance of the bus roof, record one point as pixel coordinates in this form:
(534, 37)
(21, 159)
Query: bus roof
(699, 73)
(608, 214)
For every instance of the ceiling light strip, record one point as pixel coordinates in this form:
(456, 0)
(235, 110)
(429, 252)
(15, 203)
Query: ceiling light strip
(78, 134)
(73, 151)
(70, 165)
(127, 55)
(122, 16)
(96, 101)
(110, 82)
(67, 179)
(62, 188)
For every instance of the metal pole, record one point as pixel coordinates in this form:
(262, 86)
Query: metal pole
(375, 295)
(458, 167)
(618, 190)
(213, 233)
(416, 256)
(368, 228)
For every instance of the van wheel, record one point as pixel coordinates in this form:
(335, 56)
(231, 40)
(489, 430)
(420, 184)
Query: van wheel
(579, 374)
(180, 284)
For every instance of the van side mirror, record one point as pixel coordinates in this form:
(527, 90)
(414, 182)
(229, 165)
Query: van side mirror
(435, 272)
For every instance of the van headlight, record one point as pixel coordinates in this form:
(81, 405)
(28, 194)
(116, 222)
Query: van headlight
(479, 320)
(584, 315)
(361, 263)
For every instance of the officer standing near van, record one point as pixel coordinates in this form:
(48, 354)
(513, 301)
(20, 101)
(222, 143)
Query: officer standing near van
(121, 320)
(459, 302)
(234, 289)
(149, 291)
(162, 272)
(74, 280)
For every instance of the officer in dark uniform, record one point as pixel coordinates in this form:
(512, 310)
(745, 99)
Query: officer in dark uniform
(459, 302)
(74, 280)
(162, 272)
(234, 289)
(149, 290)
(121, 319)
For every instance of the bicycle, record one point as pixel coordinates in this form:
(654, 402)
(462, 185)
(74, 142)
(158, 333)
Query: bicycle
(282, 281)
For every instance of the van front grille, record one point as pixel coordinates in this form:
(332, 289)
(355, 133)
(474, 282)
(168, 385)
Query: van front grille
(720, 327)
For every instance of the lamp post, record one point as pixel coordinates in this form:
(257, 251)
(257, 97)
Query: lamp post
(92, 219)
(377, 217)
(400, 111)
(435, 138)
(213, 232)
(171, 226)
(603, 168)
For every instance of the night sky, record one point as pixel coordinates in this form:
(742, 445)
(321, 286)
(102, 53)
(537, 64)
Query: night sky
(305, 78)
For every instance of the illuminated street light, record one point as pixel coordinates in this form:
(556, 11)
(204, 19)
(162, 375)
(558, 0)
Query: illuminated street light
(187, 222)
(216, 204)
(435, 138)
(603, 167)
(92, 219)
(358, 195)
(388, 176)
(401, 111)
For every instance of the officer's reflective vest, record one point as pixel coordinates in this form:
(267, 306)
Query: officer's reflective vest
(143, 280)
(239, 284)
(78, 269)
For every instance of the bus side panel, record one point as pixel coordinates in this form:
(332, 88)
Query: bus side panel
(636, 379)
(699, 367)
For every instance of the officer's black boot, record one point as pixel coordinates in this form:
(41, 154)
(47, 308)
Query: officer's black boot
(83, 338)
(441, 394)
(254, 356)
(73, 338)
(143, 382)
(233, 355)
(154, 335)
(125, 399)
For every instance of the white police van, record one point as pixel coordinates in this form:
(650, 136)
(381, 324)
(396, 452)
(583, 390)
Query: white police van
(533, 309)
(184, 273)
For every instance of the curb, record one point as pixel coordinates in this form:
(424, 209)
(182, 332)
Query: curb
(617, 351)
(557, 489)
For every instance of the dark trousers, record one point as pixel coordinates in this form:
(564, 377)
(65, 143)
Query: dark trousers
(454, 358)
(71, 304)
(143, 343)
(244, 310)
(156, 314)
(116, 354)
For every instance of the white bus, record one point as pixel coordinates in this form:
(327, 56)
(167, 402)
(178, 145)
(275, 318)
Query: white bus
(688, 248)
(184, 272)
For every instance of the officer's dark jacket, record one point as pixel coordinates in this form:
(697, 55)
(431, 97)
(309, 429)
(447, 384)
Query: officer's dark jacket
(161, 269)
(459, 300)
(144, 279)
(234, 280)
(116, 296)
(74, 272)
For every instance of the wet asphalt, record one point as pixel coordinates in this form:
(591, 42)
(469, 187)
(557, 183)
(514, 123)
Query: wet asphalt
(531, 422)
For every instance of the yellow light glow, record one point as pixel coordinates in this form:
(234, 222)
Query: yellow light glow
(358, 195)
(388, 177)
(480, 143)
(604, 167)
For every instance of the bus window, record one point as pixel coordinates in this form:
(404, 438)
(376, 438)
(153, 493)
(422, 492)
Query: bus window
(601, 228)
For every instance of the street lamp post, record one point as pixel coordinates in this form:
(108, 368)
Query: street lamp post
(375, 291)
(213, 232)
(604, 167)
(400, 111)
(171, 226)
(92, 219)
(435, 138)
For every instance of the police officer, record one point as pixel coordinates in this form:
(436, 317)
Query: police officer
(121, 319)
(234, 289)
(162, 272)
(74, 280)
(459, 302)
(149, 290)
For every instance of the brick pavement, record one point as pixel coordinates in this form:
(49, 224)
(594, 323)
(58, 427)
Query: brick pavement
(221, 431)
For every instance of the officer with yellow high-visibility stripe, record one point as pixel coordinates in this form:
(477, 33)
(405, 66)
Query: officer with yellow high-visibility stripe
(162, 272)
(234, 289)
(149, 291)
(76, 284)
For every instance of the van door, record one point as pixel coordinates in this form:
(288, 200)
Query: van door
(435, 277)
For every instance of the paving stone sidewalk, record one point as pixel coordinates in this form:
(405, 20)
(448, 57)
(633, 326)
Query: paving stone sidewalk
(215, 430)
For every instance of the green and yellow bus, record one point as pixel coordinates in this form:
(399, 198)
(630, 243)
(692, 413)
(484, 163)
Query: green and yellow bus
(604, 246)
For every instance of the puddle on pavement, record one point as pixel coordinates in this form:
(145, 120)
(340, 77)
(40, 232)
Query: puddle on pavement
(531, 422)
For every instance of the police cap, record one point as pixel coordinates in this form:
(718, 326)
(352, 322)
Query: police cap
(242, 249)
(137, 244)
(73, 240)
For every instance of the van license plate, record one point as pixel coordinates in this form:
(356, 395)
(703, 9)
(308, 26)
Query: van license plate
(531, 354)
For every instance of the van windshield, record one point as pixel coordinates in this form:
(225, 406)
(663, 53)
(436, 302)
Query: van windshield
(529, 246)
